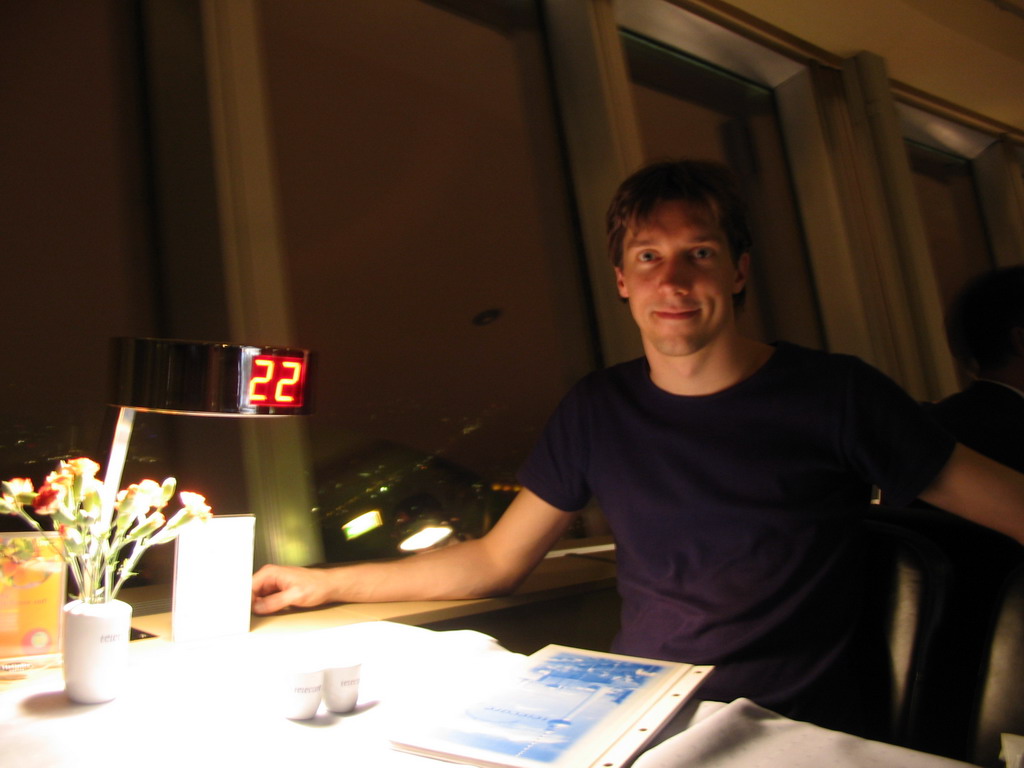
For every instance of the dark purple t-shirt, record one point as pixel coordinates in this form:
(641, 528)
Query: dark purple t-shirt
(735, 514)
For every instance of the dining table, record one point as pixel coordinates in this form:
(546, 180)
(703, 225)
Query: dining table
(224, 701)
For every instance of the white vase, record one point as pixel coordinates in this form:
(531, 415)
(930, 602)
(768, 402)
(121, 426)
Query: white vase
(95, 645)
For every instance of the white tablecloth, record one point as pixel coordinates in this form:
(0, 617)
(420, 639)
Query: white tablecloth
(218, 703)
(743, 735)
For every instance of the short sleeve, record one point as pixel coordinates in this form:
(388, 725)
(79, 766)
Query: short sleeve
(889, 438)
(555, 470)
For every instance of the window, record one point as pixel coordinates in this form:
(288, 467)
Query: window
(687, 108)
(431, 255)
(953, 218)
(76, 235)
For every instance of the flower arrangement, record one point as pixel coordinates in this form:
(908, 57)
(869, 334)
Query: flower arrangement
(93, 527)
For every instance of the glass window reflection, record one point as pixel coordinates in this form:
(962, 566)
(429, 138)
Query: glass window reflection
(432, 259)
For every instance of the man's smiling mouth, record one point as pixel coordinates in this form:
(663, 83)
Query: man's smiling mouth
(677, 314)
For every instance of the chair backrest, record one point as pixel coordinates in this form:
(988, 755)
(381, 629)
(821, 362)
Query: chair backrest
(1000, 700)
(907, 583)
(980, 560)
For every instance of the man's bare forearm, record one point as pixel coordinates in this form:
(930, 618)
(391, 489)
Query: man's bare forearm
(463, 570)
(495, 564)
(979, 489)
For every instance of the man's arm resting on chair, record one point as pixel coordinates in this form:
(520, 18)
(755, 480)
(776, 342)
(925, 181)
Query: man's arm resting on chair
(980, 490)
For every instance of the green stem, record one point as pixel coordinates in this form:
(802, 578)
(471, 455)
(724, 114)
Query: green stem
(128, 567)
(76, 572)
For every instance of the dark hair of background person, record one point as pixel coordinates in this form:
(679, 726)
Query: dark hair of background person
(980, 322)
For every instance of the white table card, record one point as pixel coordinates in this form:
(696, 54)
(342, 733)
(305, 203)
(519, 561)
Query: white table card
(213, 578)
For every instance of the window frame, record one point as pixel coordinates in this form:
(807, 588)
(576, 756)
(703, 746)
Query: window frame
(997, 168)
(604, 145)
(873, 276)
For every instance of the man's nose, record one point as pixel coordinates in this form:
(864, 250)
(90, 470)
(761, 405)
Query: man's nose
(677, 275)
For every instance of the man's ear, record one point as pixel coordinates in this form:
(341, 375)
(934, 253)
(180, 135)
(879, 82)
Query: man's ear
(620, 283)
(742, 273)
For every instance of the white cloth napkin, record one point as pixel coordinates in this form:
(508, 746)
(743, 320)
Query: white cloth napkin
(743, 735)
(1013, 750)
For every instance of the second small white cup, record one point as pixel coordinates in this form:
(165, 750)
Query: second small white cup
(341, 687)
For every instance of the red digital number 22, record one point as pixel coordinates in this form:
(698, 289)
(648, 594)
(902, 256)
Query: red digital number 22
(291, 377)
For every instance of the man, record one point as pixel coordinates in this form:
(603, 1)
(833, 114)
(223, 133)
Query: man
(732, 473)
(985, 327)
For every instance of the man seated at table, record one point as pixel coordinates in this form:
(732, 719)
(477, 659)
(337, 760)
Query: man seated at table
(733, 474)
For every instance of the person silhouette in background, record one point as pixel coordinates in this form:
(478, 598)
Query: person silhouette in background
(985, 328)
(985, 331)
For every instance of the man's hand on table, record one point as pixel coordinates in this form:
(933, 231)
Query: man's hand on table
(275, 587)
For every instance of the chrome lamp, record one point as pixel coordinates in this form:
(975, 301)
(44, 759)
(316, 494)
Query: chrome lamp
(203, 378)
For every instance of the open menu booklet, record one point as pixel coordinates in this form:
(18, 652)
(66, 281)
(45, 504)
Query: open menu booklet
(569, 708)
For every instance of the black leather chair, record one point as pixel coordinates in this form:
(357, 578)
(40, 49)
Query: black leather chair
(979, 561)
(1000, 701)
(907, 584)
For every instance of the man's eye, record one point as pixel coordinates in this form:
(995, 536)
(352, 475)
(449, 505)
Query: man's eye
(703, 253)
(646, 256)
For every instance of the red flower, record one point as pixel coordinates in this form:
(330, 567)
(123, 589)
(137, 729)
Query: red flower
(48, 496)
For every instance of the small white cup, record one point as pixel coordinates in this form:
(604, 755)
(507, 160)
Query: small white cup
(302, 691)
(341, 687)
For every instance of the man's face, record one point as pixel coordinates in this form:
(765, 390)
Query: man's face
(680, 279)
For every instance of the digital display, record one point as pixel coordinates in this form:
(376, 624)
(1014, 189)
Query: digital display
(277, 381)
(213, 378)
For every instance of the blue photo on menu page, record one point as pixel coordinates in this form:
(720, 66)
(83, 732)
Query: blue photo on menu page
(552, 708)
